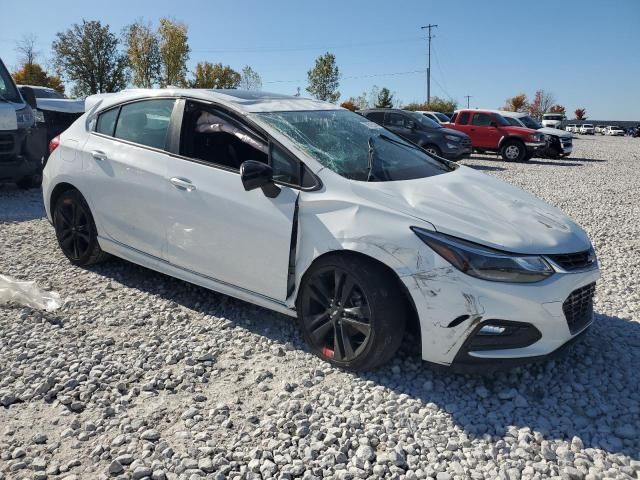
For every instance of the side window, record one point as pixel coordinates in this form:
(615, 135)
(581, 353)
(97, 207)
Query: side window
(482, 119)
(107, 121)
(377, 117)
(212, 136)
(464, 118)
(453, 117)
(145, 122)
(394, 119)
(288, 169)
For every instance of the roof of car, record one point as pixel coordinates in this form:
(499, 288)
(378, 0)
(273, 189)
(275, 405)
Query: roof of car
(240, 100)
(37, 87)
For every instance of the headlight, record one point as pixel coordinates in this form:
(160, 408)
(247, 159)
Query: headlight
(486, 263)
(38, 116)
(453, 138)
(24, 117)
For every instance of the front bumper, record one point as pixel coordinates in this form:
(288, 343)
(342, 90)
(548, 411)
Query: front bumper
(18, 154)
(457, 151)
(452, 306)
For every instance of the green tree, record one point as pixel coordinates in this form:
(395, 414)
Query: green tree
(88, 54)
(518, 103)
(437, 104)
(250, 79)
(143, 52)
(209, 75)
(385, 99)
(34, 74)
(174, 52)
(324, 78)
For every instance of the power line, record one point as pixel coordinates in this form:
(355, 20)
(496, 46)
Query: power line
(355, 76)
(429, 37)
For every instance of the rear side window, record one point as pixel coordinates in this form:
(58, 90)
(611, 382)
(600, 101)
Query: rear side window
(464, 118)
(394, 119)
(377, 117)
(145, 122)
(482, 119)
(107, 122)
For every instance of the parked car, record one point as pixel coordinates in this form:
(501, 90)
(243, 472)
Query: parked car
(422, 131)
(572, 127)
(490, 131)
(614, 130)
(315, 212)
(558, 142)
(553, 120)
(587, 129)
(438, 117)
(53, 109)
(600, 129)
(21, 142)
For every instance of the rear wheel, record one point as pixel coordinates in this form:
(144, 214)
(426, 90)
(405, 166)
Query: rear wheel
(75, 229)
(350, 312)
(513, 151)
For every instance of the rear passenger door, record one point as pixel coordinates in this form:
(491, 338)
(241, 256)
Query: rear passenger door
(125, 167)
(484, 130)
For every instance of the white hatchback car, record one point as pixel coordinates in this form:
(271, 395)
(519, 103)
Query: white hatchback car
(313, 211)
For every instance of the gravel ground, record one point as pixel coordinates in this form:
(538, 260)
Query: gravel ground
(143, 376)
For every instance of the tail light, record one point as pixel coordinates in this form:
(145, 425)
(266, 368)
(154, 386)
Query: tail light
(53, 144)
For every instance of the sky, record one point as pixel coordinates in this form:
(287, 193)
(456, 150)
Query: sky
(586, 52)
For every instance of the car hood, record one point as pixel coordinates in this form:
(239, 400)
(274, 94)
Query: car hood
(451, 131)
(471, 205)
(60, 105)
(555, 131)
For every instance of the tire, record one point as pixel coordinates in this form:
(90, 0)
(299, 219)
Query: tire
(513, 151)
(76, 231)
(30, 181)
(433, 150)
(372, 309)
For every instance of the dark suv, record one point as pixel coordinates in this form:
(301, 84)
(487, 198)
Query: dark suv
(424, 132)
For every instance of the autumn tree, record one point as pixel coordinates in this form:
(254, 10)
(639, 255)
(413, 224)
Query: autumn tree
(143, 53)
(436, 104)
(250, 79)
(385, 99)
(324, 78)
(557, 109)
(542, 103)
(350, 104)
(581, 113)
(174, 52)
(89, 55)
(34, 74)
(209, 75)
(518, 103)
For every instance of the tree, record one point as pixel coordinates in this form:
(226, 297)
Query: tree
(26, 48)
(209, 75)
(518, 103)
(350, 104)
(324, 78)
(174, 52)
(436, 104)
(541, 104)
(250, 79)
(581, 113)
(557, 109)
(34, 74)
(88, 54)
(361, 102)
(385, 99)
(143, 52)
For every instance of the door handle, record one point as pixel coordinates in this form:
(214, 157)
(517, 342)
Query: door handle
(182, 184)
(99, 155)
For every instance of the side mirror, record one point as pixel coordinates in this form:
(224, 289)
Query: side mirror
(256, 174)
(29, 96)
(411, 125)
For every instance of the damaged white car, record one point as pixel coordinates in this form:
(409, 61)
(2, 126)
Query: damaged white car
(313, 211)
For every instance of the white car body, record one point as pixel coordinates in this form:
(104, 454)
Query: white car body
(552, 120)
(586, 129)
(243, 249)
(439, 117)
(614, 131)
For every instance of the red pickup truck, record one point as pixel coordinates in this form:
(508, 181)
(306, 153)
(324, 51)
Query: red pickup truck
(490, 131)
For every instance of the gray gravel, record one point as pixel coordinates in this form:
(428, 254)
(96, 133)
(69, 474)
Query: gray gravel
(143, 376)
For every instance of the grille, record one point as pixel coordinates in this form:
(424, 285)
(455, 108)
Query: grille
(578, 307)
(6, 143)
(465, 142)
(574, 261)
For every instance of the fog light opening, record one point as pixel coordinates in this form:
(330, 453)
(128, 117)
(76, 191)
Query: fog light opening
(492, 330)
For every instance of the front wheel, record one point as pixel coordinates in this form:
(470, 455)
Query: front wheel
(513, 151)
(75, 229)
(433, 150)
(352, 314)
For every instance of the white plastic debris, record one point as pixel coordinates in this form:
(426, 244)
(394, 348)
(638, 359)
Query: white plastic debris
(28, 294)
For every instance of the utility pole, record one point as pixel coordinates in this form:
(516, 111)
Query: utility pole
(429, 37)
(467, 97)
